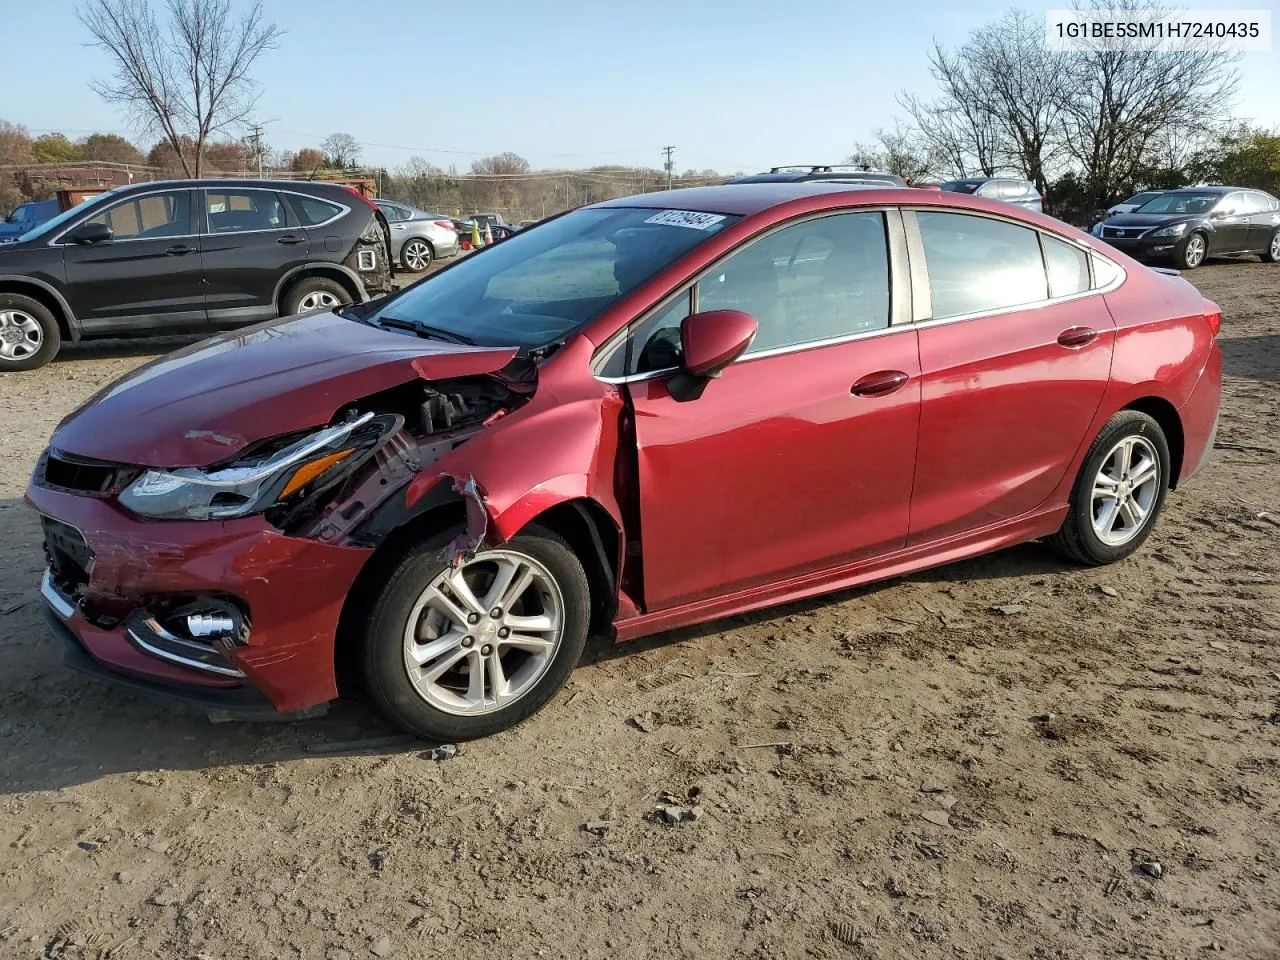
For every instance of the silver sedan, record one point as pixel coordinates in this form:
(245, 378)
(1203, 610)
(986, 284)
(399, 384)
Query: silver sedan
(418, 237)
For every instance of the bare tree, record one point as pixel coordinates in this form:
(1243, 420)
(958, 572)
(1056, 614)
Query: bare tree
(187, 79)
(340, 150)
(900, 149)
(1121, 108)
(958, 127)
(500, 164)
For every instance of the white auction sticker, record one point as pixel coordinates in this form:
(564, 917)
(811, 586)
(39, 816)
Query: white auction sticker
(686, 218)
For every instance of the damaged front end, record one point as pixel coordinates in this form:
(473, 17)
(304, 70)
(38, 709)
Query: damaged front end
(230, 579)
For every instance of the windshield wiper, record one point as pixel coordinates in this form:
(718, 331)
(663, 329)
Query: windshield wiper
(425, 330)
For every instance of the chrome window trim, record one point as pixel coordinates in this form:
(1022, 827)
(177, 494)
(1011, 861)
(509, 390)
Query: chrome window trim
(775, 352)
(930, 321)
(343, 208)
(896, 235)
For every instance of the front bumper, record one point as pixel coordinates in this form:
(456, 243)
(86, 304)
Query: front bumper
(292, 589)
(1145, 248)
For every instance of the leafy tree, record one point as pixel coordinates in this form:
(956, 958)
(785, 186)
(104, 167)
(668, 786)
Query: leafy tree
(109, 148)
(1246, 157)
(55, 148)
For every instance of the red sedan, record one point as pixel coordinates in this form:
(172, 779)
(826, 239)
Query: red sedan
(637, 415)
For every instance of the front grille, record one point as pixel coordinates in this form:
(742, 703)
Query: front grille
(83, 475)
(70, 558)
(1122, 233)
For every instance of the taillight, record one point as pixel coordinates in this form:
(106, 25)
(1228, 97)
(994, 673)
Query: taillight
(363, 199)
(447, 224)
(1213, 317)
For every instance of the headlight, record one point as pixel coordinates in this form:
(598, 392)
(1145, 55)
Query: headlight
(1096, 229)
(248, 485)
(1175, 230)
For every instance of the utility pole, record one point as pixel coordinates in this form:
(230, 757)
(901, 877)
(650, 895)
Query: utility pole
(670, 164)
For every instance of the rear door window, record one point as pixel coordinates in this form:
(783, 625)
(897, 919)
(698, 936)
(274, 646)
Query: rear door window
(978, 264)
(238, 211)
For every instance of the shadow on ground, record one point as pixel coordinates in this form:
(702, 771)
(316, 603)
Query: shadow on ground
(1254, 358)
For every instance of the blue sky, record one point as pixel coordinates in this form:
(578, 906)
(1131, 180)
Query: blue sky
(741, 85)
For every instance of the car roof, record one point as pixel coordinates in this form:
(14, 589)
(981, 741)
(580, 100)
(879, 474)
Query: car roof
(1214, 189)
(232, 182)
(743, 199)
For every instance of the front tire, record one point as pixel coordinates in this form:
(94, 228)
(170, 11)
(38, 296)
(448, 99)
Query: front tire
(416, 255)
(29, 335)
(1119, 492)
(456, 653)
(1190, 253)
(1272, 253)
(314, 293)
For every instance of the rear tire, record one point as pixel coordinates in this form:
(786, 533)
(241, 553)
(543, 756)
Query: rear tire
(314, 293)
(1272, 253)
(416, 255)
(1190, 253)
(410, 628)
(1111, 491)
(29, 335)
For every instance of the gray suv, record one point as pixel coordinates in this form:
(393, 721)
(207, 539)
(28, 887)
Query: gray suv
(1023, 193)
(418, 237)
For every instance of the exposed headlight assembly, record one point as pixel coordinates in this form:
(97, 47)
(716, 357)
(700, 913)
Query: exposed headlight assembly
(250, 484)
(1173, 230)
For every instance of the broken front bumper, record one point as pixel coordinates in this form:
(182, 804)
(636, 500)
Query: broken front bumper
(291, 589)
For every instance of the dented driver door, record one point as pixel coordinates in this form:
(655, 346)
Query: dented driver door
(800, 455)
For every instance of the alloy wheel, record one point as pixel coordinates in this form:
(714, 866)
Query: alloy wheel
(1275, 245)
(318, 300)
(1195, 250)
(20, 335)
(416, 255)
(1125, 490)
(482, 634)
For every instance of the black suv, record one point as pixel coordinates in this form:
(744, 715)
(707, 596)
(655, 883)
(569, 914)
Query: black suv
(186, 256)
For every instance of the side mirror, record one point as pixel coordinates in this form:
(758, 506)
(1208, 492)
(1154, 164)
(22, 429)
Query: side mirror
(91, 233)
(709, 342)
(1222, 213)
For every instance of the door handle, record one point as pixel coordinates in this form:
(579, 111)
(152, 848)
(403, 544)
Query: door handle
(179, 250)
(1077, 336)
(290, 238)
(880, 383)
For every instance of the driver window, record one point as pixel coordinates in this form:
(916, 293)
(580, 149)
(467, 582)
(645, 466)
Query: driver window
(155, 215)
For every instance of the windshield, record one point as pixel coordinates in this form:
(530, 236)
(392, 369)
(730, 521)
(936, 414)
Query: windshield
(542, 283)
(962, 186)
(1138, 199)
(49, 225)
(16, 214)
(1181, 203)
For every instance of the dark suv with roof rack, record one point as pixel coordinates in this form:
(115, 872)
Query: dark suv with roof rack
(838, 173)
(187, 256)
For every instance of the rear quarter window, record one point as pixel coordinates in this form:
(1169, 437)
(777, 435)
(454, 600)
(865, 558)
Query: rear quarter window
(312, 211)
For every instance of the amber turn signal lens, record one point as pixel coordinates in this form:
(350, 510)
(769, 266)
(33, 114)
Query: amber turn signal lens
(309, 471)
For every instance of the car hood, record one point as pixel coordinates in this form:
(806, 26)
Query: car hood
(203, 404)
(1148, 219)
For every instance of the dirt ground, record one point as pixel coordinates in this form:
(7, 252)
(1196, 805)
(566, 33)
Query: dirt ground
(1108, 752)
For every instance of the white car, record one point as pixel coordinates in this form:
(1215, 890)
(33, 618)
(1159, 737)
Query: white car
(1134, 202)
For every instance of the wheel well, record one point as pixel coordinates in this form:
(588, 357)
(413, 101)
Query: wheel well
(591, 532)
(585, 525)
(336, 275)
(1164, 413)
(45, 297)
